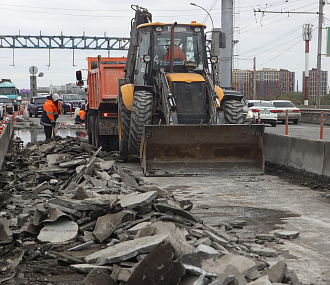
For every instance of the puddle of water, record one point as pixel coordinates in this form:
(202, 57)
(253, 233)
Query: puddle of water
(34, 135)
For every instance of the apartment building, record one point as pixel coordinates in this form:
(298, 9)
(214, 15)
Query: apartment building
(312, 83)
(270, 83)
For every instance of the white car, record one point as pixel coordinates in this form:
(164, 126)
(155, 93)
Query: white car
(5, 102)
(266, 109)
(293, 112)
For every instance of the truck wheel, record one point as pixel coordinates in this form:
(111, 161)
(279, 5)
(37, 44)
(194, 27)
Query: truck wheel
(141, 115)
(92, 121)
(124, 117)
(112, 143)
(96, 132)
(233, 112)
(88, 129)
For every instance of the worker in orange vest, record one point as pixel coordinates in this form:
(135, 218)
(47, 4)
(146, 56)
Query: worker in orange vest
(178, 54)
(81, 117)
(50, 115)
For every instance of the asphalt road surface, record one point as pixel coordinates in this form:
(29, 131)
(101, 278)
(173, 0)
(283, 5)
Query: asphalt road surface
(301, 130)
(266, 203)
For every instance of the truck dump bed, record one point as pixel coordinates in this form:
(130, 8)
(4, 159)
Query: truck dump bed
(103, 76)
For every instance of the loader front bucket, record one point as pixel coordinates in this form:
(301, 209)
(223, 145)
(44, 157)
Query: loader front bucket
(180, 150)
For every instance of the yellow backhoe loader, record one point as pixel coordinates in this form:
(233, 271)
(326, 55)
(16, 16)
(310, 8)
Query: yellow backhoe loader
(170, 112)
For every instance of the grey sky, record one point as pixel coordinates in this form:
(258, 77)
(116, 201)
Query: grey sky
(275, 39)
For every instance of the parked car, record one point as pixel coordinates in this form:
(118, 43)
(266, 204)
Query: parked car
(36, 106)
(248, 114)
(293, 112)
(7, 105)
(268, 113)
(73, 100)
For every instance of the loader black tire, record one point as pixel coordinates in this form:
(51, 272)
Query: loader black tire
(141, 115)
(124, 117)
(233, 112)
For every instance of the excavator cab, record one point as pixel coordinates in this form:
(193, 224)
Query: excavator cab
(155, 49)
(172, 115)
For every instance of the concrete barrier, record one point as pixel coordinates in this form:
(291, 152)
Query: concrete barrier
(326, 162)
(313, 116)
(5, 137)
(309, 155)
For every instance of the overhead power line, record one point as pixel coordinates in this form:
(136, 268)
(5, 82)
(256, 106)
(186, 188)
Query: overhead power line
(283, 12)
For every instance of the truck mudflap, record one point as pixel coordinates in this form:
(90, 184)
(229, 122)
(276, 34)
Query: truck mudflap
(184, 150)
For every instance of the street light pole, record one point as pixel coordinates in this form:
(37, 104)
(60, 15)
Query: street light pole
(193, 4)
(319, 50)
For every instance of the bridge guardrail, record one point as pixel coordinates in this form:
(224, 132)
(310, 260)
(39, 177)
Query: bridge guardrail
(313, 116)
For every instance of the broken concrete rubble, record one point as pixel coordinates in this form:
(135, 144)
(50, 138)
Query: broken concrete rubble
(60, 231)
(127, 232)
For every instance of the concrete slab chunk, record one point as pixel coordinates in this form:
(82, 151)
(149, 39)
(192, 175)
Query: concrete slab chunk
(264, 280)
(176, 236)
(78, 205)
(5, 233)
(147, 188)
(206, 248)
(72, 163)
(125, 250)
(102, 175)
(216, 238)
(263, 251)
(90, 166)
(127, 179)
(277, 272)
(287, 234)
(98, 182)
(163, 208)
(98, 277)
(158, 267)
(105, 165)
(106, 225)
(87, 268)
(243, 264)
(232, 270)
(61, 231)
(136, 228)
(133, 200)
(55, 158)
(46, 147)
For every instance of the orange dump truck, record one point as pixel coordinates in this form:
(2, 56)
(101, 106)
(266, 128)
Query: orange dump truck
(102, 109)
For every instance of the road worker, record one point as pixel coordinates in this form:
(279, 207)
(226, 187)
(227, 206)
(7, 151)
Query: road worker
(178, 54)
(81, 117)
(50, 115)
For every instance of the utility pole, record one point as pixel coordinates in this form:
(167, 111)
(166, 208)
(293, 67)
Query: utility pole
(319, 50)
(227, 26)
(307, 36)
(254, 78)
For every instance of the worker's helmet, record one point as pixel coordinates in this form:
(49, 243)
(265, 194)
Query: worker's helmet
(55, 97)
